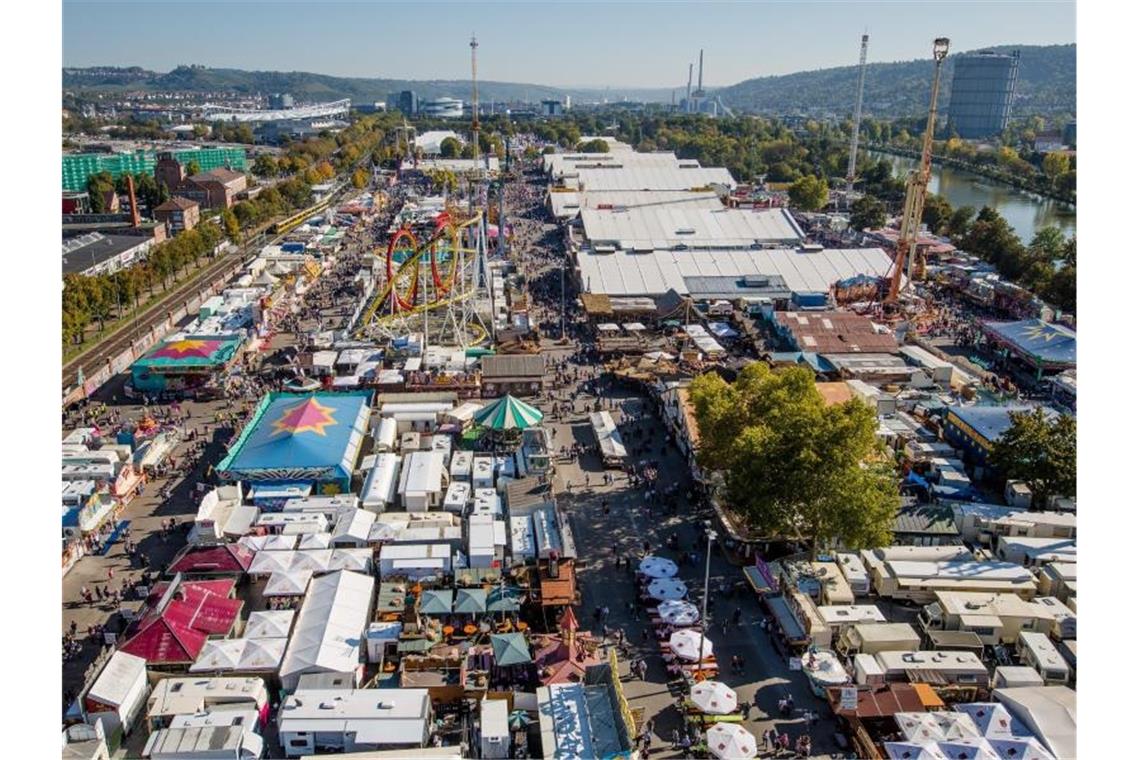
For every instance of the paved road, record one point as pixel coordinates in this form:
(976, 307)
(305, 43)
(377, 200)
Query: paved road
(633, 520)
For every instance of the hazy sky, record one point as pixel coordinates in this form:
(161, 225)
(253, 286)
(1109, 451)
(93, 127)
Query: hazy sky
(630, 44)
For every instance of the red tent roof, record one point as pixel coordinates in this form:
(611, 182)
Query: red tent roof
(177, 633)
(228, 558)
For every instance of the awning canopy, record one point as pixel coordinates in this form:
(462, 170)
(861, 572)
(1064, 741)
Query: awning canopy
(508, 413)
(436, 602)
(470, 601)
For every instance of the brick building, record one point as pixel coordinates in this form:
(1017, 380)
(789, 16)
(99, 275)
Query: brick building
(178, 213)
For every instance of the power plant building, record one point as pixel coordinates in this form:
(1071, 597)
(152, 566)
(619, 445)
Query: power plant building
(981, 95)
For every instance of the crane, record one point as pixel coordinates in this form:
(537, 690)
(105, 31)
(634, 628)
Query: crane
(857, 117)
(916, 189)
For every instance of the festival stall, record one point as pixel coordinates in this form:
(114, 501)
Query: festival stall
(183, 364)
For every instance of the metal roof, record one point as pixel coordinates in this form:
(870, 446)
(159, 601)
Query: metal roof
(650, 178)
(665, 226)
(92, 249)
(625, 273)
(566, 205)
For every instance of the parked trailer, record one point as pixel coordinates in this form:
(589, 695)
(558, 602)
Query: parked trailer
(1037, 652)
(610, 445)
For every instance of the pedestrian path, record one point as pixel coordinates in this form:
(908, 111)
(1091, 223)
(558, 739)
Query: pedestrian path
(111, 539)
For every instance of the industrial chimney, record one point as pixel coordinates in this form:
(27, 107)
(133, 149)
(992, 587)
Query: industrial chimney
(701, 74)
(134, 203)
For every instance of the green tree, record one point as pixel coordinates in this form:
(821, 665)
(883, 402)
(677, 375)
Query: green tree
(594, 146)
(868, 213)
(808, 193)
(231, 225)
(193, 167)
(359, 179)
(936, 213)
(265, 165)
(959, 222)
(450, 148)
(1054, 165)
(548, 150)
(794, 466)
(1039, 451)
(97, 186)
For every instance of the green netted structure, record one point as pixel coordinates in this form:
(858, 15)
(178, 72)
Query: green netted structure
(77, 167)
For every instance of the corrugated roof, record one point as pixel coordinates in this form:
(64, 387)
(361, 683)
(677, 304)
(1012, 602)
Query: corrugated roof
(926, 520)
(519, 365)
(624, 273)
(650, 178)
(836, 332)
(566, 205)
(664, 226)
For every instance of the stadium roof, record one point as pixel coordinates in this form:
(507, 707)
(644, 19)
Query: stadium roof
(664, 226)
(1042, 343)
(625, 273)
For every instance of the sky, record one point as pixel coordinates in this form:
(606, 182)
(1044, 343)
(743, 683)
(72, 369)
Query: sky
(585, 44)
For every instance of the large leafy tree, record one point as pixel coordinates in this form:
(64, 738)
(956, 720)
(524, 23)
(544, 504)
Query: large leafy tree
(868, 213)
(808, 193)
(793, 466)
(1040, 451)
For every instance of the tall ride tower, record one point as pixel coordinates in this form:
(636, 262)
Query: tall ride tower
(857, 116)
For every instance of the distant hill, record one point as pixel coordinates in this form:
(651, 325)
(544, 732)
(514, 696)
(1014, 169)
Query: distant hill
(1047, 83)
(308, 86)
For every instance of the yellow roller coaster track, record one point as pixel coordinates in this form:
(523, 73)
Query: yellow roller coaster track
(413, 261)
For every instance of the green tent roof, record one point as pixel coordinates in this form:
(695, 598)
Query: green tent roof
(470, 601)
(506, 599)
(510, 649)
(508, 413)
(436, 602)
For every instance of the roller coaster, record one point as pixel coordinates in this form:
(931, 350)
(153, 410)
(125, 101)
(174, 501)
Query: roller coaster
(432, 285)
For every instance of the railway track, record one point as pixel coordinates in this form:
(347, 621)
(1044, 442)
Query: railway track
(95, 357)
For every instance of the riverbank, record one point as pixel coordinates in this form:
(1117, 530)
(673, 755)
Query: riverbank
(983, 171)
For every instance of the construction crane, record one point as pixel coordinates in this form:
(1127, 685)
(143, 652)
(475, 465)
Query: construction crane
(916, 190)
(856, 118)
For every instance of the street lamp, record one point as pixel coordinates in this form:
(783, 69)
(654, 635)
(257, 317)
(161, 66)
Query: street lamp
(710, 537)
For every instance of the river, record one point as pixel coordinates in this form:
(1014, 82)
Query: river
(1026, 213)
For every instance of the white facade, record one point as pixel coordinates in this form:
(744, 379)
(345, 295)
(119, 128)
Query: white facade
(353, 721)
(119, 693)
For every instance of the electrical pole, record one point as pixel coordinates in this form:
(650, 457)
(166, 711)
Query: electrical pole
(710, 537)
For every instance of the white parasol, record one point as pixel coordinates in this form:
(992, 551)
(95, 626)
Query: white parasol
(713, 697)
(687, 642)
(657, 567)
(730, 741)
(675, 612)
(664, 589)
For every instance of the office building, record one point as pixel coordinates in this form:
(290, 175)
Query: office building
(442, 108)
(279, 101)
(981, 94)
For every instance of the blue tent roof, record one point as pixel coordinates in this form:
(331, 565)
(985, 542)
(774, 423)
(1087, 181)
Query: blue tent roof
(1042, 342)
(301, 437)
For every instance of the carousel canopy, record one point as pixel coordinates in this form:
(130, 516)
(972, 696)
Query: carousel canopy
(191, 352)
(299, 437)
(504, 599)
(508, 413)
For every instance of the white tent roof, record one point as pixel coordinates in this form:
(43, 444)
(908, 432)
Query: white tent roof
(315, 541)
(935, 726)
(626, 273)
(1050, 712)
(993, 720)
(262, 654)
(913, 751)
(664, 226)
(268, 543)
(269, 624)
(267, 563)
(359, 560)
(288, 583)
(219, 654)
(114, 684)
(354, 525)
(330, 626)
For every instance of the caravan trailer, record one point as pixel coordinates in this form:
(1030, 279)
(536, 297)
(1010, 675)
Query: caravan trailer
(379, 490)
(872, 638)
(1037, 652)
(855, 574)
(946, 667)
